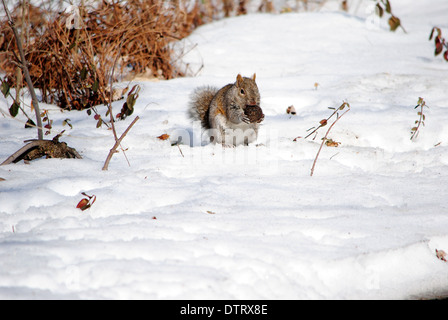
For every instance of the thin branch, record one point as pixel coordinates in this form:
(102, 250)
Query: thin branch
(324, 122)
(328, 131)
(111, 91)
(117, 143)
(24, 66)
(111, 116)
(19, 76)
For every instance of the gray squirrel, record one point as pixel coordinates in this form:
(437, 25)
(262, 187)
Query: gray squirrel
(232, 114)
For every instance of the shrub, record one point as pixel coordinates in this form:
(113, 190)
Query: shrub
(71, 63)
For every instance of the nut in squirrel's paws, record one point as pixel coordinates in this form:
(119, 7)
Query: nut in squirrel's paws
(254, 114)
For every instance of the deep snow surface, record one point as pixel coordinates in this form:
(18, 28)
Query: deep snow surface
(250, 222)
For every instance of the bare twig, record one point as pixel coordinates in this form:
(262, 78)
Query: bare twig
(24, 66)
(109, 106)
(117, 143)
(111, 116)
(328, 131)
(19, 75)
(324, 122)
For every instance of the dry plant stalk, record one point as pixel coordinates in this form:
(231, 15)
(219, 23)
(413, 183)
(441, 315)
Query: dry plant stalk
(421, 121)
(117, 143)
(117, 140)
(393, 21)
(324, 139)
(324, 122)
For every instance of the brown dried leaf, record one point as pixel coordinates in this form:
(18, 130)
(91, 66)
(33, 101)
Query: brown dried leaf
(291, 110)
(394, 23)
(379, 10)
(388, 7)
(163, 136)
(332, 143)
(440, 254)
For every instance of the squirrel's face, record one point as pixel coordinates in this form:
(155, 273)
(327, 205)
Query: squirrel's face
(247, 91)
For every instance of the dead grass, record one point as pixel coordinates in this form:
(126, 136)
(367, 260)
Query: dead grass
(72, 66)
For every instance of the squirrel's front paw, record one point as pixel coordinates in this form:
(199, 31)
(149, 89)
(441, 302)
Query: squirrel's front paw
(245, 118)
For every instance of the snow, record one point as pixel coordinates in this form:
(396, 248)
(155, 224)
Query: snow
(202, 222)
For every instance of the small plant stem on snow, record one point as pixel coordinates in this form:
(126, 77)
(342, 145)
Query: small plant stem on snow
(117, 143)
(420, 121)
(111, 91)
(117, 140)
(328, 131)
(325, 121)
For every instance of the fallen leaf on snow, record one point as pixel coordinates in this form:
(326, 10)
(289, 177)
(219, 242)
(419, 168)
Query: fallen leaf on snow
(163, 136)
(82, 204)
(441, 255)
(331, 143)
(86, 203)
(291, 110)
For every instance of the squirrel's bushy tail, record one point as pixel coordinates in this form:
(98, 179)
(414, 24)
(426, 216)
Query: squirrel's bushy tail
(200, 103)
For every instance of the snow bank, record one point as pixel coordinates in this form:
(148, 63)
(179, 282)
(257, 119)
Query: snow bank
(201, 222)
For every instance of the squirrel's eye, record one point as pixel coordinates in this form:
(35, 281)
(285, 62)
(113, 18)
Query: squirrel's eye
(242, 91)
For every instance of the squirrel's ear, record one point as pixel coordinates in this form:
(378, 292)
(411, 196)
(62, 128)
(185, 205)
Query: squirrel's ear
(239, 80)
(254, 76)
